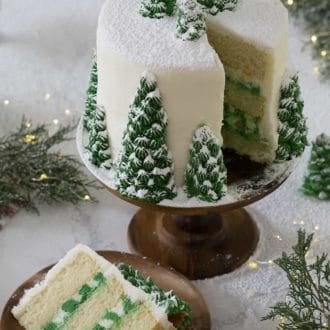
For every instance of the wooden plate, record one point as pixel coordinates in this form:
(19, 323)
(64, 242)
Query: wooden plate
(165, 278)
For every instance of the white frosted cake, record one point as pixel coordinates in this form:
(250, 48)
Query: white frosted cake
(227, 79)
(85, 291)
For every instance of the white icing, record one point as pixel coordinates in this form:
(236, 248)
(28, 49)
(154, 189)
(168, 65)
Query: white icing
(150, 42)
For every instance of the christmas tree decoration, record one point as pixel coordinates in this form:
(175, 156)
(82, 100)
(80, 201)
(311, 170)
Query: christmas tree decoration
(292, 123)
(99, 146)
(90, 104)
(317, 182)
(157, 8)
(307, 305)
(206, 174)
(191, 20)
(213, 7)
(144, 166)
(32, 172)
(315, 15)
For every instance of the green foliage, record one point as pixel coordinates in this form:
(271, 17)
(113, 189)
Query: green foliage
(241, 123)
(206, 174)
(172, 304)
(144, 166)
(292, 123)
(90, 104)
(99, 146)
(307, 305)
(157, 8)
(317, 182)
(316, 18)
(191, 20)
(213, 7)
(31, 171)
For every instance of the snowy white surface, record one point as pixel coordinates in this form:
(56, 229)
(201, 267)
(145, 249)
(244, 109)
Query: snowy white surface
(46, 47)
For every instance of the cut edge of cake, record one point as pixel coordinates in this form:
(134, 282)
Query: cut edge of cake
(59, 317)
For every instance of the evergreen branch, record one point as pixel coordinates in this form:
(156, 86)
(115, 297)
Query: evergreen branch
(307, 304)
(32, 171)
(316, 17)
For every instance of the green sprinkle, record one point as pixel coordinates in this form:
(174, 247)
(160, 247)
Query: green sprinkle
(110, 315)
(70, 306)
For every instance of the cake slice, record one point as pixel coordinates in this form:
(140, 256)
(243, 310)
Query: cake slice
(85, 291)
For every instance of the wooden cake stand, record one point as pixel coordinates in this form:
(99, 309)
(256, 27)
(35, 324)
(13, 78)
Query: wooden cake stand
(202, 242)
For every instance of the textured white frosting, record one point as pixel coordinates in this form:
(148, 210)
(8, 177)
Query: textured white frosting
(189, 74)
(150, 42)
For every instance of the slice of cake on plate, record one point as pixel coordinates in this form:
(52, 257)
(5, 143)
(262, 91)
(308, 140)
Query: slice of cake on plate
(85, 291)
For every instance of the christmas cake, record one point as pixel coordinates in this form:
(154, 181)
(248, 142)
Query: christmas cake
(178, 66)
(85, 291)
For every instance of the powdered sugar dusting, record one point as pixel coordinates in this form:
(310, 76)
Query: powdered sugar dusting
(241, 190)
(151, 42)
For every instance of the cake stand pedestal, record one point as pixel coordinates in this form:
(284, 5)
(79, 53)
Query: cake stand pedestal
(202, 241)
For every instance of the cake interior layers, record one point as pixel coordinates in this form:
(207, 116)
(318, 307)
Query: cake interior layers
(85, 308)
(63, 284)
(128, 314)
(245, 102)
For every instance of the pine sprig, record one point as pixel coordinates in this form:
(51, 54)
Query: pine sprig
(316, 18)
(307, 305)
(32, 171)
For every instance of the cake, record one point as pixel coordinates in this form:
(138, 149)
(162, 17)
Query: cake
(216, 63)
(85, 291)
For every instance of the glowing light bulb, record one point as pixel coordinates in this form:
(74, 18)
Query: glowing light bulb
(270, 262)
(253, 265)
(87, 198)
(314, 38)
(316, 69)
(323, 53)
(6, 102)
(56, 121)
(317, 227)
(290, 2)
(67, 112)
(29, 139)
(27, 124)
(43, 176)
(47, 96)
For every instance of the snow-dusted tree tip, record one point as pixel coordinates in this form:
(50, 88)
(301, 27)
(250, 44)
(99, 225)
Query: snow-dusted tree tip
(317, 182)
(191, 18)
(292, 123)
(213, 7)
(98, 145)
(144, 167)
(157, 8)
(206, 174)
(90, 104)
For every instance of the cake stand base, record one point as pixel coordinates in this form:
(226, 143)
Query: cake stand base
(198, 246)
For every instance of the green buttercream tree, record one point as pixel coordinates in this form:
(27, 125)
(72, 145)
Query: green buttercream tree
(191, 20)
(144, 166)
(213, 7)
(292, 123)
(90, 104)
(206, 174)
(317, 182)
(99, 146)
(157, 8)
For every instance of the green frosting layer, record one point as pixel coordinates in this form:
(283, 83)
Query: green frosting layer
(113, 317)
(68, 309)
(253, 88)
(241, 123)
(172, 304)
